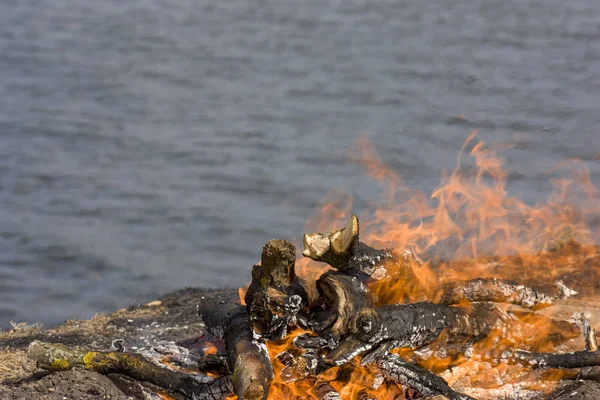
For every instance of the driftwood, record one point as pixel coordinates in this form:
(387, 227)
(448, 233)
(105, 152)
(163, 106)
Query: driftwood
(56, 357)
(275, 295)
(503, 291)
(417, 378)
(248, 359)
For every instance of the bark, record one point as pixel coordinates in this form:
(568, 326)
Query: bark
(504, 291)
(412, 326)
(56, 357)
(276, 294)
(247, 358)
(417, 378)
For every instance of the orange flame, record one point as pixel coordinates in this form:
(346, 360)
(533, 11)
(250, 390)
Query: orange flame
(469, 227)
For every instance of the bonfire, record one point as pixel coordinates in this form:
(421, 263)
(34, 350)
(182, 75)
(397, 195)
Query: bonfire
(475, 297)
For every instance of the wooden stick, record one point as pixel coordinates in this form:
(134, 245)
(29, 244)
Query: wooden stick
(247, 358)
(56, 357)
(576, 359)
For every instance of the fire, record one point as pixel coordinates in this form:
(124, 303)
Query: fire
(469, 227)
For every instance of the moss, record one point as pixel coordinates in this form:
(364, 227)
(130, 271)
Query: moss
(88, 359)
(60, 364)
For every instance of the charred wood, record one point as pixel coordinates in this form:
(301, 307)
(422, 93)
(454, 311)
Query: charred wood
(55, 357)
(577, 359)
(504, 291)
(344, 296)
(247, 358)
(412, 326)
(343, 251)
(589, 334)
(276, 294)
(417, 378)
(364, 395)
(325, 391)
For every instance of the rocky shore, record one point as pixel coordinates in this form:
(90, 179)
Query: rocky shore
(172, 317)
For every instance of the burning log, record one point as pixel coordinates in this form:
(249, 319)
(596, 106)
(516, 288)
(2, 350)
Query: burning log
(411, 326)
(590, 357)
(325, 391)
(247, 357)
(417, 378)
(276, 294)
(503, 291)
(56, 357)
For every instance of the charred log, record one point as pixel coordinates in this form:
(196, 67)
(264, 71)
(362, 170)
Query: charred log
(417, 378)
(247, 358)
(412, 326)
(55, 357)
(276, 294)
(343, 296)
(325, 391)
(503, 291)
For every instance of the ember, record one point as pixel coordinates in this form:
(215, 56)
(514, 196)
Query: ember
(463, 305)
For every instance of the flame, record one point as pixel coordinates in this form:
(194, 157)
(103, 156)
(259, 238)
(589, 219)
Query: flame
(469, 227)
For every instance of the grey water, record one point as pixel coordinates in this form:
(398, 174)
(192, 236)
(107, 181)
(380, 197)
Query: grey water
(151, 145)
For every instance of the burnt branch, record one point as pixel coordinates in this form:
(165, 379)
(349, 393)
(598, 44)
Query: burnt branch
(589, 335)
(412, 326)
(504, 291)
(247, 358)
(417, 378)
(577, 359)
(343, 251)
(56, 357)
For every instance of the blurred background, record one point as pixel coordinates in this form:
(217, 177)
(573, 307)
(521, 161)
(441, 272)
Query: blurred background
(151, 145)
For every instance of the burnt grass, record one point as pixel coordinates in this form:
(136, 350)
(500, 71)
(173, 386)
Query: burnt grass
(172, 317)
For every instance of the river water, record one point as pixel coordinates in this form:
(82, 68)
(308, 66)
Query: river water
(150, 145)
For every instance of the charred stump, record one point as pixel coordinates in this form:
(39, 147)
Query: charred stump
(275, 295)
